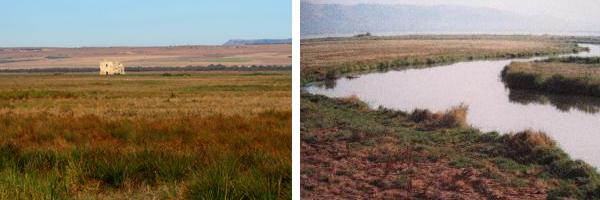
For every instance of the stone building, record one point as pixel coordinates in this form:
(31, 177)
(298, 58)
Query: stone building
(111, 68)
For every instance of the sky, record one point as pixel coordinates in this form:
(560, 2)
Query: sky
(76, 23)
(573, 11)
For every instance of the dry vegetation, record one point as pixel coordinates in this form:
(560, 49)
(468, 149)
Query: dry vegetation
(328, 58)
(175, 56)
(350, 151)
(152, 136)
(568, 75)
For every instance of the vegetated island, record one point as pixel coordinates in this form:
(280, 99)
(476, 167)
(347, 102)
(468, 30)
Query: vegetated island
(561, 75)
(330, 58)
(352, 151)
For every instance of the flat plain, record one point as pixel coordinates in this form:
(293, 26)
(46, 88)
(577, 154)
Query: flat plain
(328, 57)
(171, 56)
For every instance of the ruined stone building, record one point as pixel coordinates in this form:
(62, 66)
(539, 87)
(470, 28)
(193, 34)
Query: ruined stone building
(111, 68)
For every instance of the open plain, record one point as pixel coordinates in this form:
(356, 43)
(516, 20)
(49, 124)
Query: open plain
(170, 56)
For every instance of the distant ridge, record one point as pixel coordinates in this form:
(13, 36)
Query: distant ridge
(257, 42)
(323, 20)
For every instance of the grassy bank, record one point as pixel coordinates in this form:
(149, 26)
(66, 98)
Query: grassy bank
(352, 151)
(332, 57)
(210, 135)
(566, 75)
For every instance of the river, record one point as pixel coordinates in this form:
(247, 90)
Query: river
(573, 121)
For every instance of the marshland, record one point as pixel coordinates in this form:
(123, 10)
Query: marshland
(566, 75)
(406, 101)
(328, 58)
(175, 135)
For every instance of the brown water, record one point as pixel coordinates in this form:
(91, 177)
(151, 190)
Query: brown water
(573, 121)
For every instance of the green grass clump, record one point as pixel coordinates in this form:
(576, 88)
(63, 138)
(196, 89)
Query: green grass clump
(231, 178)
(26, 94)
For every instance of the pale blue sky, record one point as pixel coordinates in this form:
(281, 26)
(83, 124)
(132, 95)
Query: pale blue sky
(73, 23)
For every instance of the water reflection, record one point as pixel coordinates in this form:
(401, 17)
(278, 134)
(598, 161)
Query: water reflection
(564, 103)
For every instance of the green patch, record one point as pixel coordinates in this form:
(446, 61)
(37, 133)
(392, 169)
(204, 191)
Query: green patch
(509, 165)
(229, 179)
(26, 94)
(462, 162)
(236, 88)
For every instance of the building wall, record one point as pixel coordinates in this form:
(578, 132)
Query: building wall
(111, 68)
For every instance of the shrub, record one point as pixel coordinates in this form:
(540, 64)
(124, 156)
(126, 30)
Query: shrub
(354, 102)
(529, 146)
(420, 115)
(453, 117)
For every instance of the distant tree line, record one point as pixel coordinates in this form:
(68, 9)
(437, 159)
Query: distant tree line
(211, 67)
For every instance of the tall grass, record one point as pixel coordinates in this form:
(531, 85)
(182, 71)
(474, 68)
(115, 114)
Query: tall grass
(451, 118)
(579, 179)
(183, 148)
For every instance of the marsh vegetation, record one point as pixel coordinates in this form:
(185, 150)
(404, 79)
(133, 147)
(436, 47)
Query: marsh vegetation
(561, 75)
(351, 151)
(332, 57)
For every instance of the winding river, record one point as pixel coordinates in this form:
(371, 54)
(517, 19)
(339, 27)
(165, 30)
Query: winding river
(573, 121)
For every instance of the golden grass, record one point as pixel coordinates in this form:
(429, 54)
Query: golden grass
(146, 136)
(342, 55)
(532, 139)
(145, 95)
(453, 117)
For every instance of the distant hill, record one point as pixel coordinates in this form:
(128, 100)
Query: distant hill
(257, 42)
(334, 20)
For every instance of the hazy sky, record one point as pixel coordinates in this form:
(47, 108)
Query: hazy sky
(148, 22)
(575, 11)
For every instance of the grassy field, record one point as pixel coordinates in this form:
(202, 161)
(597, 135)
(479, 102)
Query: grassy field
(172, 56)
(354, 152)
(331, 57)
(567, 75)
(212, 135)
